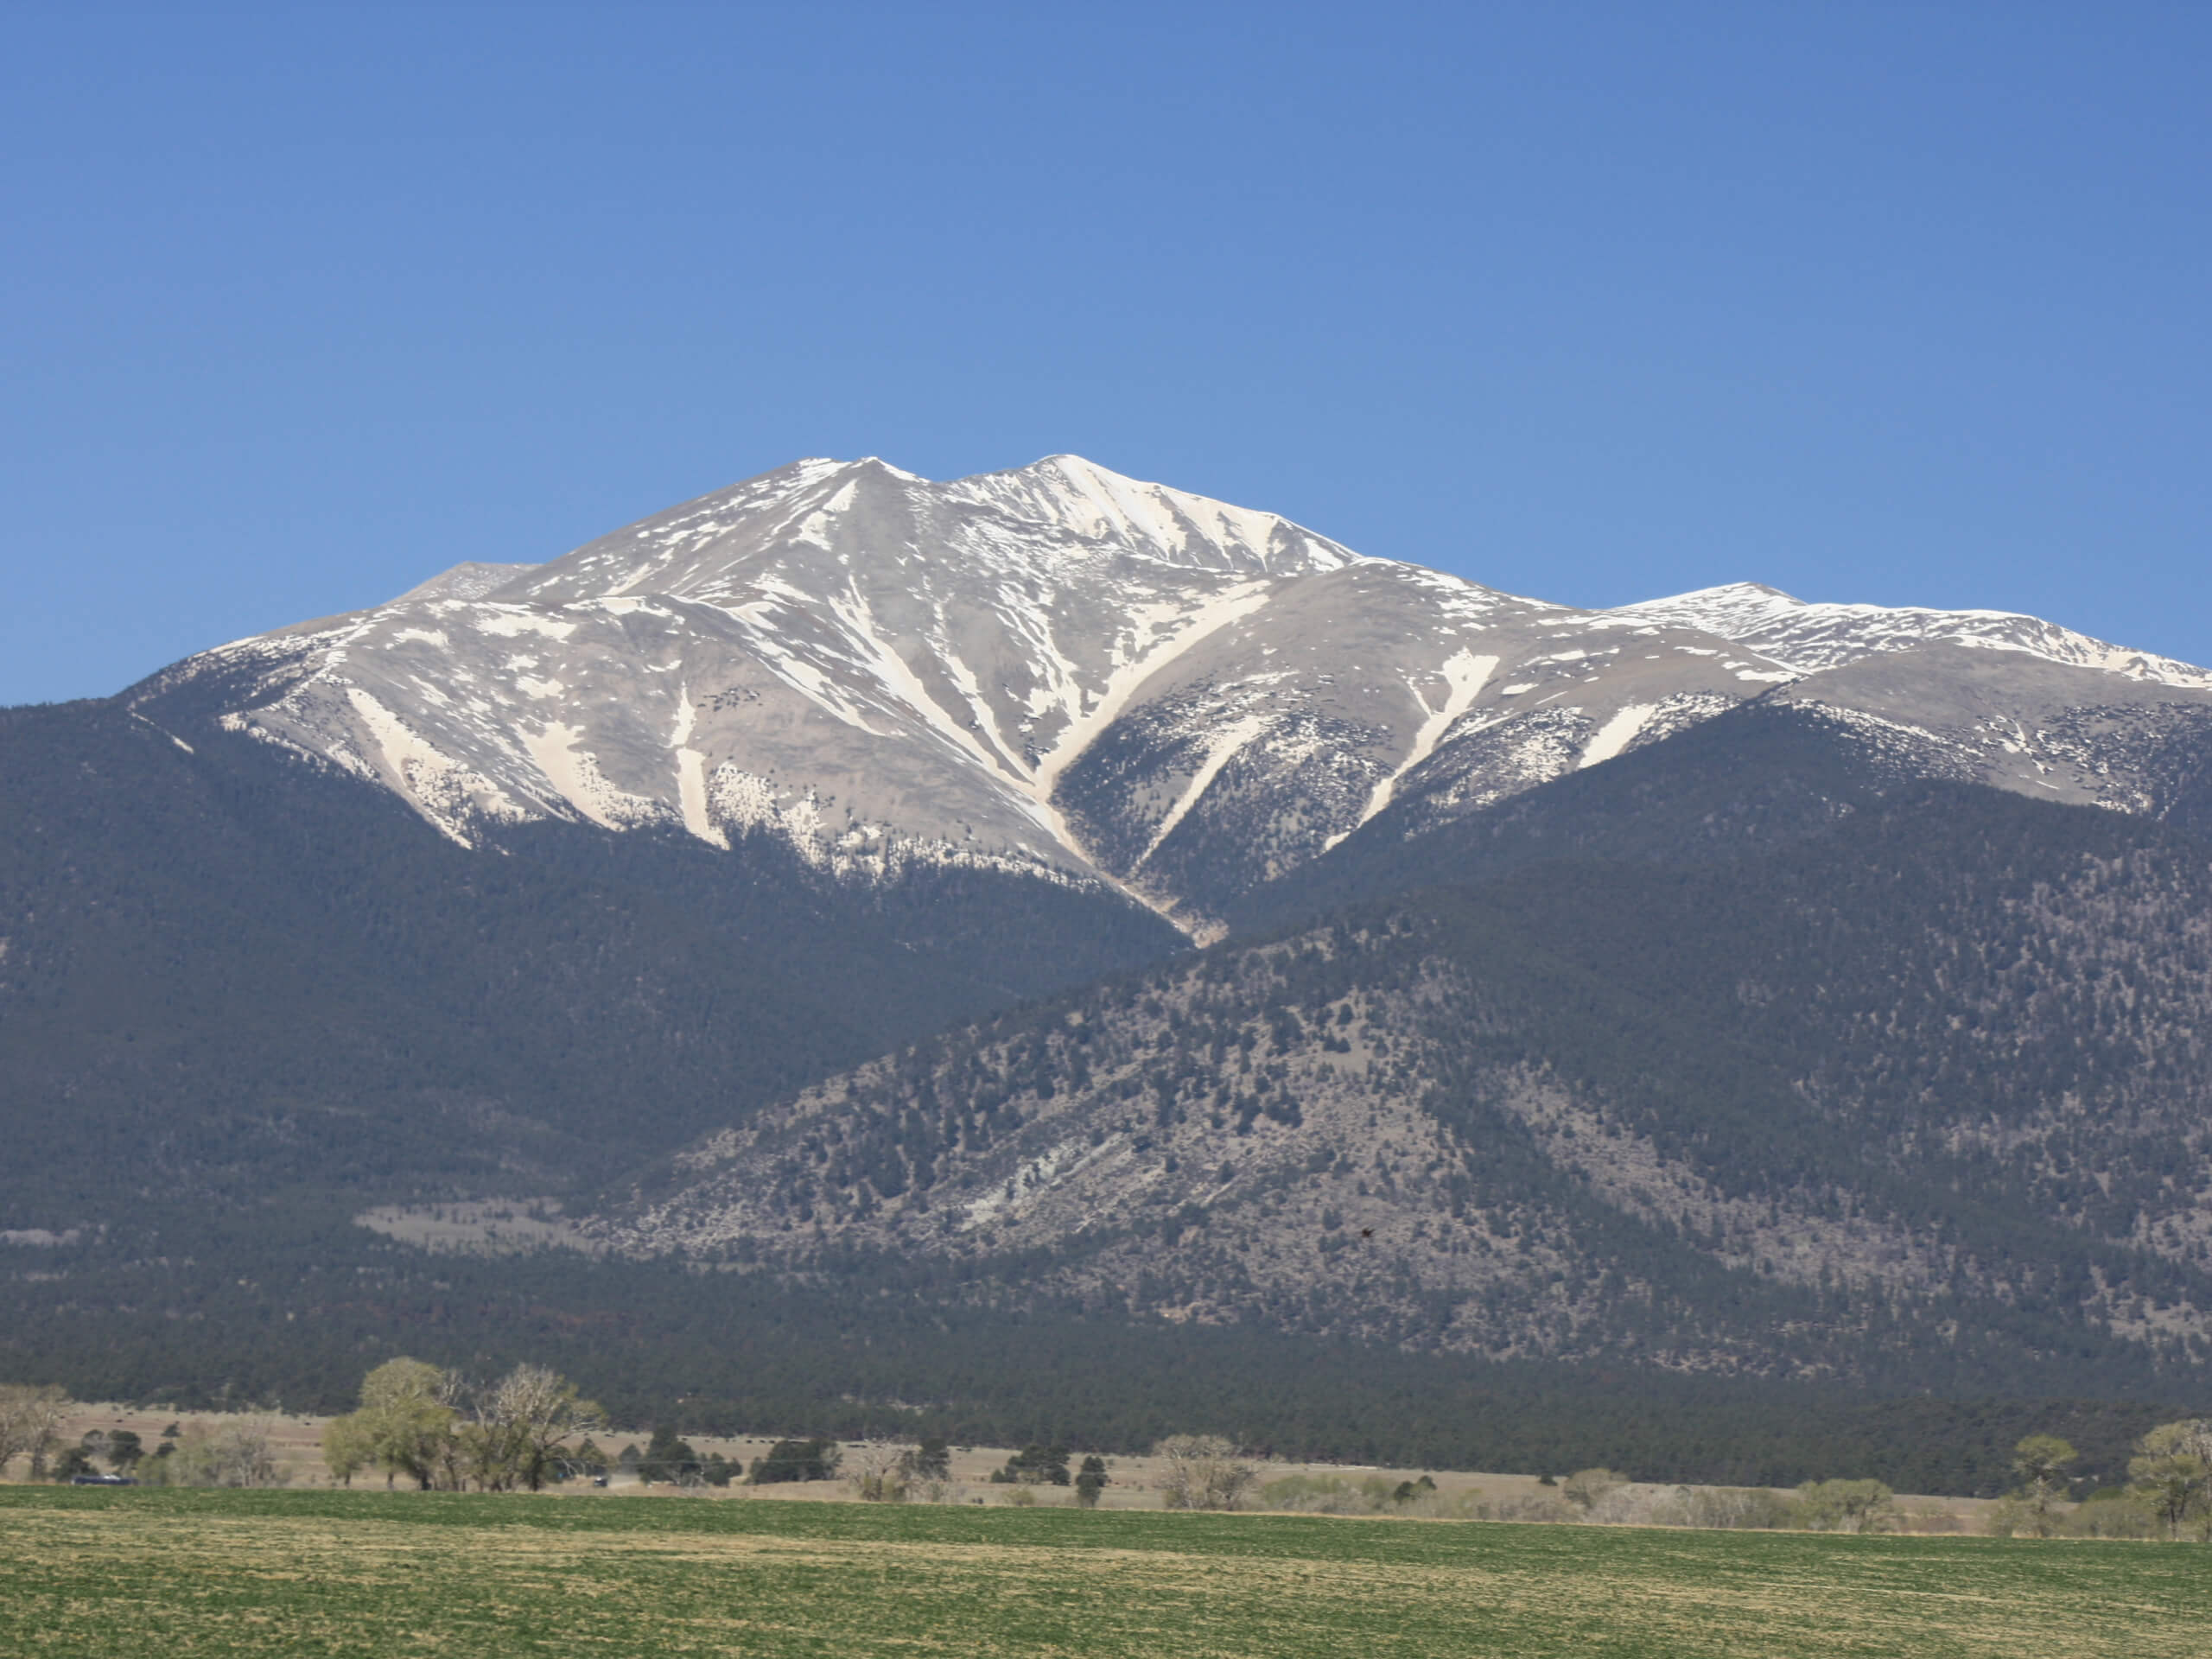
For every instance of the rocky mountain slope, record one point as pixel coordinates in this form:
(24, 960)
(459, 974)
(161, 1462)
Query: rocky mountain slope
(1063, 672)
(1922, 1087)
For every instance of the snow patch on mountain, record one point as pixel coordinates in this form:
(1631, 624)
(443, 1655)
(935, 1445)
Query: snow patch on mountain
(511, 622)
(576, 773)
(1465, 675)
(1614, 736)
(740, 803)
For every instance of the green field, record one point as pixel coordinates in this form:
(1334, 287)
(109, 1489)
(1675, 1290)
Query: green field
(115, 1575)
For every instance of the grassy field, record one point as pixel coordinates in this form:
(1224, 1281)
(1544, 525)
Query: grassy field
(121, 1573)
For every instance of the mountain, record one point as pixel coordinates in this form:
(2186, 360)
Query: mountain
(1065, 898)
(1919, 1093)
(1063, 673)
(878, 671)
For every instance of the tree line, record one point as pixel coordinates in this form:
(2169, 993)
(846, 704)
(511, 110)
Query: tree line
(532, 1428)
(240, 1453)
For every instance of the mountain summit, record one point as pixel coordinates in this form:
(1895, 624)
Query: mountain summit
(1064, 671)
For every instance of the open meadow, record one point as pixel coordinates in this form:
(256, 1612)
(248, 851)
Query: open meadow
(117, 1573)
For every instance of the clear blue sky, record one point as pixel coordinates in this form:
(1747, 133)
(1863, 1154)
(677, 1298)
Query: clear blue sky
(1901, 303)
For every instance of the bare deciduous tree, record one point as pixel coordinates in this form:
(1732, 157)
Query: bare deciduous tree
(239, 1454)
(525, 1418)
(881, 1470)
(28, 1417)
(1204, 1472)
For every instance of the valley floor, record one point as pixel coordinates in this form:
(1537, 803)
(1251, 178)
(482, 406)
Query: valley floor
(118, 1574)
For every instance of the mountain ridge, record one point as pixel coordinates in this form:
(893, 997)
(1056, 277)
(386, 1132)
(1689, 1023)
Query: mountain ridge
(1812, 636)
(1055, 670)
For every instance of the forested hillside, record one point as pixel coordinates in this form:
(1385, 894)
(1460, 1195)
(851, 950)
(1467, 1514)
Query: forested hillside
(224, 973)
(1919, 1094)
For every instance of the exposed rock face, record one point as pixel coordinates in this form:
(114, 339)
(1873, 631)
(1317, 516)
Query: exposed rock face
(1061, 671)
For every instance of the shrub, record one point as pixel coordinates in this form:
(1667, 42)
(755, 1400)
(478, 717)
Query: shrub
(1588, 1486)
(1928, 1516)
(2005, 1516)
(1632, 1506)
(1739, 1508)
(1316, 1495)
(1375, 1495)
(2115, 1513)
(1846, 1505)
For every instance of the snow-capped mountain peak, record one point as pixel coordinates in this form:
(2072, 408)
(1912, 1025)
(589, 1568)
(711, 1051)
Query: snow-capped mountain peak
(1814, 636)
(1102, 507)
(1086, 676)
